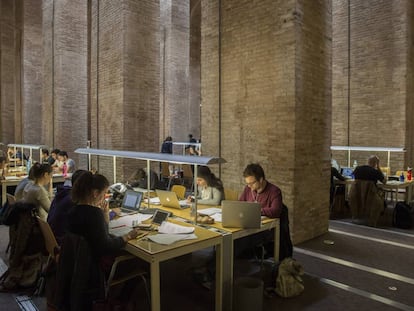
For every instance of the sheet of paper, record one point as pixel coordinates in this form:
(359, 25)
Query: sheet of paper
(168, 227)
(209, 211)
(155, 200)
(120, 231)
(216, 217)
(167, 239)
(128, 219)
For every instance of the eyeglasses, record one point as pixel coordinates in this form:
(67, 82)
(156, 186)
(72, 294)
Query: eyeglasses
(251, 183)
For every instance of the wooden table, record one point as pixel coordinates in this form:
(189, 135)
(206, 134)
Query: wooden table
(154, 253)
(229, 235)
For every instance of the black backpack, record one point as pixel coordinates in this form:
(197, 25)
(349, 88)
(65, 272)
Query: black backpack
(402, 217)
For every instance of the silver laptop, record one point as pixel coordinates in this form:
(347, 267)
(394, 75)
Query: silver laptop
(170, 199)
(240, 214)
(131, 202)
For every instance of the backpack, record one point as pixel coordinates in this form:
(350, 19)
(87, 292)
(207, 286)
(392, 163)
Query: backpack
(289, 281)
(402, 217)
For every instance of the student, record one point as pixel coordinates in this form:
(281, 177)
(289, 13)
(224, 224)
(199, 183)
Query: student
(46, 158)
(18, 192)
(36, 193)
(54, 154)
(166, 146)
(89, 216)
(64, 159)
(211, 191)
(371, 171)
(258, 189)
(60, 207)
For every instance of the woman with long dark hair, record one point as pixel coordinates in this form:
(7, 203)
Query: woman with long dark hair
(210, 187)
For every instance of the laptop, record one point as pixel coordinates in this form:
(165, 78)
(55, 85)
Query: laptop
(170, 199)
(240, 214)
(131, 202)
(347, 172)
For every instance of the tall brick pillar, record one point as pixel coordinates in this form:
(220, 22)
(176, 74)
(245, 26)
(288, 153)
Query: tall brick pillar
(266, 98)
(125, 79)
(32, 74)
(10, 68)
(372, 74)
(65, 96)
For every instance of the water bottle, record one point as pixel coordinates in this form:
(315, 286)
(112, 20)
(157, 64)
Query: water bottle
(402, 177)
(355, 164)
(28, 165)
(64, 169)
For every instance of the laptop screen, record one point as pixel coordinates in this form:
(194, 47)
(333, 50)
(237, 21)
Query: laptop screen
(132, 200)
(347, 171)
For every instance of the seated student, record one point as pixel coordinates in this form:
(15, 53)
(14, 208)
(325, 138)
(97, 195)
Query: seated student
(89, 218)
(54, 154)
(258, 189)
(64, 159)
(46, 158)
(210, 188)
(371, 171)
(60, 207)
(36, 193)
(18, 192)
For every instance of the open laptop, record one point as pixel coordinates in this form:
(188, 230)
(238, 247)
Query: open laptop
(170, 199)
(131, 202)
(347, 172)
(240, 214)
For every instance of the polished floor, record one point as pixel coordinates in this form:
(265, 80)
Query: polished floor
(351, 267)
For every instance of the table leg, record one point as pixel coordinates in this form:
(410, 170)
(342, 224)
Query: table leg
(277, 242)
(219, 277)
(227, 272)
(155, 286)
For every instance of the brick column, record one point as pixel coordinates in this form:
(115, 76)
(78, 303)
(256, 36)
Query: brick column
(275, 99)
(66, 75)
(125, 79)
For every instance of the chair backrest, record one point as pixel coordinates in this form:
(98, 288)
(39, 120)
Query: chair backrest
(10, 198)
(50, 241)
(386, 170)
(231, 194)
(179, 190)
(165, 171)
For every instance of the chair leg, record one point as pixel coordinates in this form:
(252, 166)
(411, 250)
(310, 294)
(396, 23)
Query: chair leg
(146, 290)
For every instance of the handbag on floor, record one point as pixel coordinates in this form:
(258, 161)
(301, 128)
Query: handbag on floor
(289, 281)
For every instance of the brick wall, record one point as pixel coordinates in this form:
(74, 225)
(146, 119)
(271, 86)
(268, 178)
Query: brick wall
(10, 65)
(124, 80)
(65, 94)
(32, 76)
(275, 64)
(380, 64)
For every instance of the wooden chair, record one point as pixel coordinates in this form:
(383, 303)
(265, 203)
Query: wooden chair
(188, 176)
(76, 260)
(51, 244)
(179, 190)
(230, 194)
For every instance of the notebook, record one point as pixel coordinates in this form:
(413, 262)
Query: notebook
(170, 199)
(131, 202)
(240, 214)
(347, 172)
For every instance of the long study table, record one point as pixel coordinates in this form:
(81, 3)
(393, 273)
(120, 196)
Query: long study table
(154, 254)
(228, 236)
